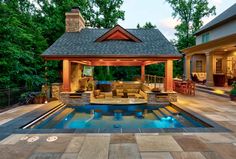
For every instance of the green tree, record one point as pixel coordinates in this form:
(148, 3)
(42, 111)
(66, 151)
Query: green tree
(20, 46)
(190, 14)
(107, 13)
(147, 25)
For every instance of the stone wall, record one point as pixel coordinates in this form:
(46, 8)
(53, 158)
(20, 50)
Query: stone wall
(56, 89)
(172, 97)
(153, 100)
(84, 100)
(76, 75)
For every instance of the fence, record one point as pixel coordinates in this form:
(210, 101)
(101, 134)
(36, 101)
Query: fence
(10, 96)
(154, 81)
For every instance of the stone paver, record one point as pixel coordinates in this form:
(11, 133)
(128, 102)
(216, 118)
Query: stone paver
(156, 155)
(191, 143)
(69, 156)
(157, 143)
(226, 151)
(45, 156)
(16, 112)
(95, 147)
(187, 155)
(124, 151)
(216, 138)
(211, 155)
(117, 138)
(75, 144)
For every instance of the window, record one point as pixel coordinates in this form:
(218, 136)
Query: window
(219, 65)
(199, 66)
(205, 37)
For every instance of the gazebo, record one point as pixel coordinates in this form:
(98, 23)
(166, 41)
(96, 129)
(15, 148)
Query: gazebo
(117, 46)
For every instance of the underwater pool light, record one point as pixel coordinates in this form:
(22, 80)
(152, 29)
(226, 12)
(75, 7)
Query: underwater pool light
(118, 114)
(168, 118)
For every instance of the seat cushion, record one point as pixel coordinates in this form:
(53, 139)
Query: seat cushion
(119, 91)
(132, 90)
(96, 92)
(131, 94)
(120, 94)
(138, 96)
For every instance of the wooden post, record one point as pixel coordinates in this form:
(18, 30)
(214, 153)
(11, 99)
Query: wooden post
(66, 75)
(168, 85)
(143, 73)
(187, 67)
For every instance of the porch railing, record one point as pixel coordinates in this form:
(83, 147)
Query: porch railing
(154, 81)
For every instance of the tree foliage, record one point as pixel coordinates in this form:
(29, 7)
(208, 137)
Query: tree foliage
(30, 28)
(190, 13)
(147, 25)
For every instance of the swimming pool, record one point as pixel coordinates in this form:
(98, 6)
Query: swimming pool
(119, 117)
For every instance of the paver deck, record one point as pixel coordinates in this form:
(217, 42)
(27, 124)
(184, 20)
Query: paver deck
(142, 145)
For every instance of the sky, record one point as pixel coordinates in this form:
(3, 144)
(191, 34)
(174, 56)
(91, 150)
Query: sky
(158, 12)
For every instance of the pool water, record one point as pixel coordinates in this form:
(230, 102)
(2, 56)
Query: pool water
(122, 116)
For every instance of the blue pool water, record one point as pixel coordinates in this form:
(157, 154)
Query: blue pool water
(122, 116)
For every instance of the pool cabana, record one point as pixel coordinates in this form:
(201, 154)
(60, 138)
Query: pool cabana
(117, 46)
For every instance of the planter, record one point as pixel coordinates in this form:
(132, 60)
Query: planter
(219, 80)
(39, 99)
(232, 97)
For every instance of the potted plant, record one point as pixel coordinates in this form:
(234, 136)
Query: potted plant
(233, 92)
(40, 99)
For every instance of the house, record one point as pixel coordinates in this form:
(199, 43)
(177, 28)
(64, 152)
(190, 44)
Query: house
(80, 46)
(214, 57)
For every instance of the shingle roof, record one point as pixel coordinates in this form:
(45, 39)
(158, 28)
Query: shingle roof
(83, 44)
(224, 17)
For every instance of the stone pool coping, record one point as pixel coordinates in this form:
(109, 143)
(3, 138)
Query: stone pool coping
(15, 126)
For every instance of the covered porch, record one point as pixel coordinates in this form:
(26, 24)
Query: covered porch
(213, 63)
(73, 75)
(75, 66)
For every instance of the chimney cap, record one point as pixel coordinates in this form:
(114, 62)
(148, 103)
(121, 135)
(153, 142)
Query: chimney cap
(75, 9)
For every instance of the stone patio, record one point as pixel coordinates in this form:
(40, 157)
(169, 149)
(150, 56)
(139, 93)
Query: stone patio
(137, 146)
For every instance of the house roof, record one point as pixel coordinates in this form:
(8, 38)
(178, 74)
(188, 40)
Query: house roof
(223, 18)
(83, 43)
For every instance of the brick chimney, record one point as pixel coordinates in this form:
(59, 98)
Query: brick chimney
(74, 20)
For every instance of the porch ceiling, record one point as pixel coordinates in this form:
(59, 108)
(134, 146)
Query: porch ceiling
(117, 62)
(114, 61)
(227, 43)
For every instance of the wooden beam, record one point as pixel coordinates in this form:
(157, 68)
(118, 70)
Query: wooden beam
(143, 73)
(116, 63)
(88, 63)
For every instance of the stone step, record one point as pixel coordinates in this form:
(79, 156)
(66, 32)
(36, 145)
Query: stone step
(158, 114)
(172, 110)
(224, 95)
(166, 112)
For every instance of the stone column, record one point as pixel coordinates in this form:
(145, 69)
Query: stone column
(143, 73)
(187, 67)
(66, 75)
(56, 89)
(209, 69)
(168, 85)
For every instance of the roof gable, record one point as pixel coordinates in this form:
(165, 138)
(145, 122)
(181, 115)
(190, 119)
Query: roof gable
(118, 33)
